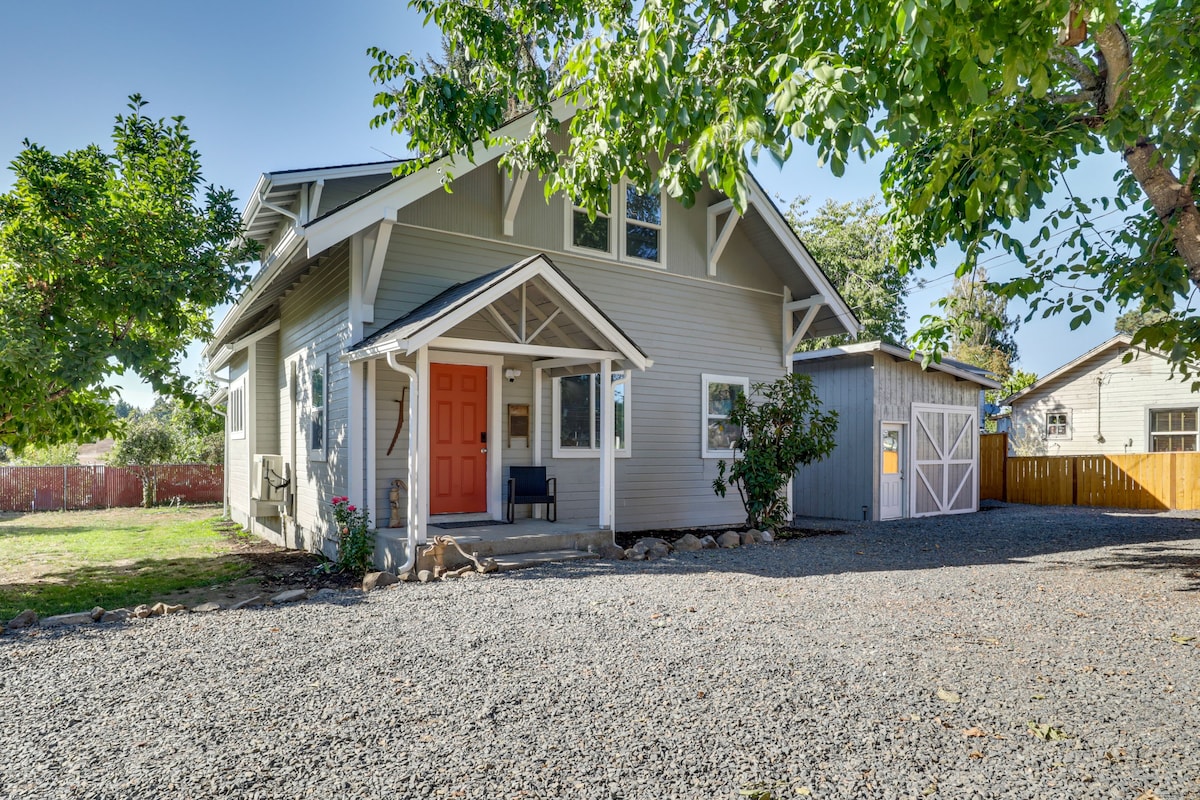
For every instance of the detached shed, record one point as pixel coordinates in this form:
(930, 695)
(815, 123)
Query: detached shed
(907, 438)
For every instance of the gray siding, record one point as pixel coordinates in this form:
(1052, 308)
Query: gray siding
(314, 330)
(665, 482)
(1122, 393)
(839, 486)
(266, 396)
(237, 465)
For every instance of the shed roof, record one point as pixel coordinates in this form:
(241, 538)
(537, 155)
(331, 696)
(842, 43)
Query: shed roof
(958, 369)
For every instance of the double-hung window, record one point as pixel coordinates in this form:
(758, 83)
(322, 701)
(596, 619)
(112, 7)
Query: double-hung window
(638, 234)
(577, 415)
(318, 401)
(1173, 430)
(237, 409)
(719, 392)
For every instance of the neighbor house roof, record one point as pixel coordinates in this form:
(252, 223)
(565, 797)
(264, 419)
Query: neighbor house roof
(1121, 340)
(959, 370)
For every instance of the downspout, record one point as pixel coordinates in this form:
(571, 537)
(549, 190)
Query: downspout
(411, 522)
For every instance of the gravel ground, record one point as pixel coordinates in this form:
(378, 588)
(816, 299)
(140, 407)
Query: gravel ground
(823, 667)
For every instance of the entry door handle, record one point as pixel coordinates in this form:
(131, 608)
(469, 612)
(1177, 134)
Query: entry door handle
(483, 449)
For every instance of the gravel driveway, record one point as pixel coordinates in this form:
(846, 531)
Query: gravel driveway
(938, 658)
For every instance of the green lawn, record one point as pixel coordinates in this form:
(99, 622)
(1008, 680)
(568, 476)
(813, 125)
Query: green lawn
(72, 561)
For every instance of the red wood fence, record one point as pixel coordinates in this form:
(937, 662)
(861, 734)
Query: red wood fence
(71, 488)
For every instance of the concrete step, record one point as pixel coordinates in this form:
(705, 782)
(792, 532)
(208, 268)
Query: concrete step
(511, 561)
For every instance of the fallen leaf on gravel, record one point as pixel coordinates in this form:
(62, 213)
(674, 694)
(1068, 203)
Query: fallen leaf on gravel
(1047, 732)
(1147, 795)
(930, 789)
(975, 732)
(803, 791)
(656, 616)
(1179, 639)
(975, 754)
(700, 695)
(948, 696)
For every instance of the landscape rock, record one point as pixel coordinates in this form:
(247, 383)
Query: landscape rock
(748, 538)
(424, 576)
(324, 593)
(25, 619)
(378, 580)
(59, 620)
(612, 552)
(163, 609)
(767, 536)
(708, 542)
(97, 613)
(116, 615)
(488, 565)
(635, 555)
(688, 543)
(290, 596)
(249, 602)
(729, 539)
(405, 577)
(142, 611)
(206, 608)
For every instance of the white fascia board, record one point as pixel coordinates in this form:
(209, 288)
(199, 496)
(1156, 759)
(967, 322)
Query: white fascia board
(279, 256)
(334, 173)
(227, 352)
(859, 348)
(1119, 339)
(787, 237)
(328, 231)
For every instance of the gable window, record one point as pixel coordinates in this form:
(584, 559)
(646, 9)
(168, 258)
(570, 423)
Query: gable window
(577, 409)
(318, 401)
(719, 393)
(237, 409)
(1058, 425)
(638, 236)
(1173, 430)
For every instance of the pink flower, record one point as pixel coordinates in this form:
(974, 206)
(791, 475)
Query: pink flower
(351, 508)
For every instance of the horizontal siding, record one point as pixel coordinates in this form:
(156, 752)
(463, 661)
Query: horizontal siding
(237, 464)
(839, 486)
(1122, 393)
(314, 329)
(266, 395)
(687, 327)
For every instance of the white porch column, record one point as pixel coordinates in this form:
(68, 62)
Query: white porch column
(420, 486)
(608, 462)
(535, 435)
(355, 435)
(372, 429)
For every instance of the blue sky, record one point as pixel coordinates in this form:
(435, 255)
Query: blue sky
(269, 85)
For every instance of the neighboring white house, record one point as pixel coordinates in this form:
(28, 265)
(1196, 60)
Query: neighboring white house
(1101, 403)
(508, 329)
(907, 437)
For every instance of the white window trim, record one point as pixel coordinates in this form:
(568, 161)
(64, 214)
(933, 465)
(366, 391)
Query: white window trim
(617, 238)
(558, 451)
(1151, 433)
(705, 381)
(237, 408)
(321, 362)
(1046, 425)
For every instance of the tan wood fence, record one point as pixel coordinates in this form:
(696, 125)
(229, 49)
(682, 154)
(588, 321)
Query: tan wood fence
(1158, 481)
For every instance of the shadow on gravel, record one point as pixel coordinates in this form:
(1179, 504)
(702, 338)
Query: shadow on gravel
(1162, 542)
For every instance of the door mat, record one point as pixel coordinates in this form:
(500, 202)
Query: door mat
(483, 523)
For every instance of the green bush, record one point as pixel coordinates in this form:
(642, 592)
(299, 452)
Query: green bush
(784, 429)
(356, 538)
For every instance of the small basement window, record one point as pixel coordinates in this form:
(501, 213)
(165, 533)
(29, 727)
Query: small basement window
(1058, 425)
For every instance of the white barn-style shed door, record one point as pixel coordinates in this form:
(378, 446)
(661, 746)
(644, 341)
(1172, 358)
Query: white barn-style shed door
(945, 451)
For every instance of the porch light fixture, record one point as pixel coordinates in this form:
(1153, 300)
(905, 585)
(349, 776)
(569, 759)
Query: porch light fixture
(512, 374)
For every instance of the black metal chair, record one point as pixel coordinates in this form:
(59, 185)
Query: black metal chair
(530, 485)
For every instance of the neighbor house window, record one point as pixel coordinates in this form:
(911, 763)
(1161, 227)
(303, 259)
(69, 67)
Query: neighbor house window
(638, 237)
(1058, 425)
(577, 408)
(719, 393)
(1173, 430)
(318, 401)
(237, 409)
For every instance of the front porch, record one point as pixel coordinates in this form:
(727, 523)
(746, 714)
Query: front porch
(524, 541)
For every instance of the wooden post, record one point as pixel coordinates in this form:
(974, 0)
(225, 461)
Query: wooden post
(1075, 480)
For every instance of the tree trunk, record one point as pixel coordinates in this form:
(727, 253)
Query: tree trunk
(1171, 200)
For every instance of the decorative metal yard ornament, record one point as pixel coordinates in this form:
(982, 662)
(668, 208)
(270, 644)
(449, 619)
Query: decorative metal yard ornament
(399, 421)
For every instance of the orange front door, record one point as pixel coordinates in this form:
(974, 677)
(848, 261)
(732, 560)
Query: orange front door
(457, 438)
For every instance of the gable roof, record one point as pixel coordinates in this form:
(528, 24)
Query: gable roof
(958, 369)
(1121, 340)
(439, 315)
